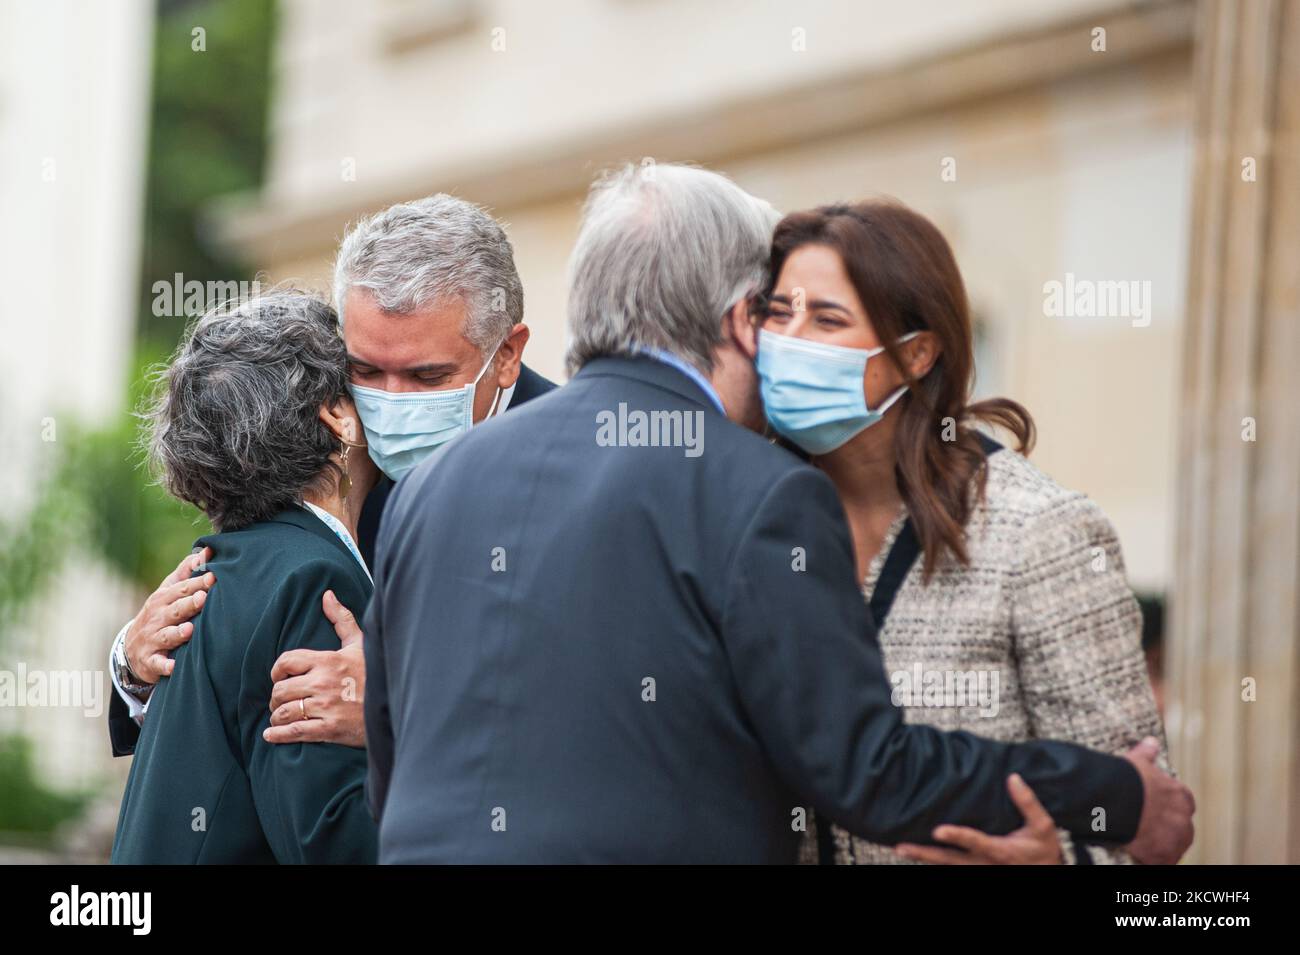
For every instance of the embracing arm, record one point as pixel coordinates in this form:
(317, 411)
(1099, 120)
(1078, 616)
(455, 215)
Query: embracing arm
(139, 655)
(126, 705)
(331, 685)
(810, 674)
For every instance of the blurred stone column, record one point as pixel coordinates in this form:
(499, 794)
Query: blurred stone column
(1234, 644)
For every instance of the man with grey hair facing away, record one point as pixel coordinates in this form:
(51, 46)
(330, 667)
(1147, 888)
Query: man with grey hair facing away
(607, 651)
(432, 311)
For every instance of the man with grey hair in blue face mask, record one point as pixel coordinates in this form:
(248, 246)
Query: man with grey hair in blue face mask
(431, 307)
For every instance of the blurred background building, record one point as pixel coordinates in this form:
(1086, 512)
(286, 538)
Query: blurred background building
(74, 108)
(1082, 140)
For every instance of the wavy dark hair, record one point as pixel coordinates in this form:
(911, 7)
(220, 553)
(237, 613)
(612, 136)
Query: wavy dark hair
(907, 279)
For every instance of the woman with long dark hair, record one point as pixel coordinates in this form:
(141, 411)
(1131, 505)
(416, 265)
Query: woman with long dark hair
(999, 596)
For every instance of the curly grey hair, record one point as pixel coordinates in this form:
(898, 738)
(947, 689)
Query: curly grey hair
(234, 427)
(416, 254)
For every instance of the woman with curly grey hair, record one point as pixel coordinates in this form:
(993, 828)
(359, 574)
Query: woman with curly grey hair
(255, 427)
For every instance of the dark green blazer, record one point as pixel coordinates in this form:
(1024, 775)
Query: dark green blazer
(205, 787)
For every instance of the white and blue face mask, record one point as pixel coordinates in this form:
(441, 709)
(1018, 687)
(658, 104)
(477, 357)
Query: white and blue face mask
(404, 428)
(814, 393)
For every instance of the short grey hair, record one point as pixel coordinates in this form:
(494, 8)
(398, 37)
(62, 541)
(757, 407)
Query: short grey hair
(416, 254)
(234, 425)
(664, 252)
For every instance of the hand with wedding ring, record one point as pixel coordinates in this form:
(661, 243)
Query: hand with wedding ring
(318, 694)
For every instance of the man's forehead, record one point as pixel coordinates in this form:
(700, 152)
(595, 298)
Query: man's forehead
(447, 313)
(424, 336)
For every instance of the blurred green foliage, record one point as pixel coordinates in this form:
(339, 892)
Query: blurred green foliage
(96, 496)
(207, 138)
(33, 547)
(140, 530)
(29, 807)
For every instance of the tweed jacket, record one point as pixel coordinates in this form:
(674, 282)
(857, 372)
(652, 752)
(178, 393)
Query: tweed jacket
(1039, 636)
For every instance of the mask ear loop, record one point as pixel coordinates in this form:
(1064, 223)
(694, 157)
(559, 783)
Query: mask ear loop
(901, 389)
(889, 402)
(495, 399)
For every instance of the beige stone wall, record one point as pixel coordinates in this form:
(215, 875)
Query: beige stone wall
(405, 87)
(1234, 713)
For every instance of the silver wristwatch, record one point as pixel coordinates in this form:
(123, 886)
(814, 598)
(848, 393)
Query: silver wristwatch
(126, 677)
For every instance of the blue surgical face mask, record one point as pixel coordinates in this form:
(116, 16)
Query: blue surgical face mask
(404, 428)
(813, 392)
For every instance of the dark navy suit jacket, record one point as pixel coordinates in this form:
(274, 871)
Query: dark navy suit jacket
(579, 652)
(123, 732)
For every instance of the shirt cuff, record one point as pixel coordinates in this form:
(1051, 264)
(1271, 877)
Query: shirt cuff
(135, 706)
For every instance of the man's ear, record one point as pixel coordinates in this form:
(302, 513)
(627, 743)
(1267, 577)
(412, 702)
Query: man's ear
(920, 354)
(742, 329)
(510, 355)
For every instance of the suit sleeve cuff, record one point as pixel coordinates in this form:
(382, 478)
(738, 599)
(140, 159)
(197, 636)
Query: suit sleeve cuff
(1124, 808)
